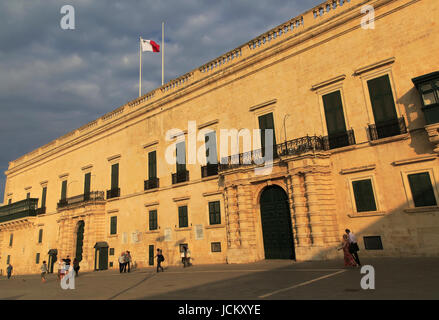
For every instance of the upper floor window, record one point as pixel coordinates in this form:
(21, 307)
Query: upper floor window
(43, 197)
(214, 212)
(387, 123)
(428, 87)
(338, 136)
(153, 220)
(113, 225)
(266, 125)
(87, 186)
(183, 217)
(40, 236)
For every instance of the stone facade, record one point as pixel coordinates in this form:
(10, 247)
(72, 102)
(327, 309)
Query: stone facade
(285, 72)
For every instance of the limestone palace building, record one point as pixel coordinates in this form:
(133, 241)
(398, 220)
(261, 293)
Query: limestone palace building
(352, 97)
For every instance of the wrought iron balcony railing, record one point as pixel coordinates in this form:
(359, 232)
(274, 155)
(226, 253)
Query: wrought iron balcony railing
(289, 148)
(209, 170)
(386, 129)
(339, 140)
(152, 183)
(92, 196)
(181, 176)
(19, 209)
(113, 193)
(41, 210)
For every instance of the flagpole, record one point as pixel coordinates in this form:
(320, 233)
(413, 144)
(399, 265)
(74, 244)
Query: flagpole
(140, 67)
(163, 53)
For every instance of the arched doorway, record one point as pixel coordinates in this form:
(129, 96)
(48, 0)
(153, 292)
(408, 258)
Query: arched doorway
(79, 240)
(276, 224)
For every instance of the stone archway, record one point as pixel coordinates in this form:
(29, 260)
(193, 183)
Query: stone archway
(79, 240)
(276, 224)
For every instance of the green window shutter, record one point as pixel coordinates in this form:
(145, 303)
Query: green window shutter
(334, 115)
(422, 189)
(381, 98)
(113, 225)
(153, 220)
(181, 156)
(266, 122)
(40, 236)
(364, 197)
(152, 165)
(210, 145)
(9, 201)
(64, 190)
(8, 260)
(87, 183)
(115, 176)
(151, 254)
(11, 239)
(43, 197)
(214, 212)
(28, 195)
(38, 258)
(182, 217)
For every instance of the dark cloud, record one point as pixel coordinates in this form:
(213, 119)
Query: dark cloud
(53, 81)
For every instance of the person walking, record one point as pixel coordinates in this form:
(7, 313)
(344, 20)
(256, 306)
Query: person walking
(76, 266)
(348, 258)
(44, 271)
(121, 262)
(160, 259)
(185, 256)
(9, 270)
(67, 261)
(353, 246)
(128, 260)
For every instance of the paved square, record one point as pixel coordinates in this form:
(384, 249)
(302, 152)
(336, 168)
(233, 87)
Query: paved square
(409, 278)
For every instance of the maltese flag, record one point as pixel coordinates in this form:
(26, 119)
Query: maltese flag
(149, 45)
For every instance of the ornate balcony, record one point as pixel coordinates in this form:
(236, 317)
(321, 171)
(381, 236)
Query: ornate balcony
(19, 209)
(152, 183)
(181, 176)
(81, 199)
(339, 140)
(289, 148)
(113, 193)
(387, 129)
(209, 170)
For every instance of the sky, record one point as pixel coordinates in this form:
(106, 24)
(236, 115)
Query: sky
(53, 80)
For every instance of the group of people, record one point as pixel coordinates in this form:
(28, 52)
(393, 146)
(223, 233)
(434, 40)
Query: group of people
(64, 267)
(185, 258)
(125, 261)
(350, 249)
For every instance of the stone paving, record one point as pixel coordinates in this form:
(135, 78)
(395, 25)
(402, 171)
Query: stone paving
(408, 278)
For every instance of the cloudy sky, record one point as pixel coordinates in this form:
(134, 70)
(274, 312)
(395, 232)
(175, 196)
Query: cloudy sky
(53, 81)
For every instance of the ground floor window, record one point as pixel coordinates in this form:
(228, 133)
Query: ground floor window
(364, 195)
(422, 189)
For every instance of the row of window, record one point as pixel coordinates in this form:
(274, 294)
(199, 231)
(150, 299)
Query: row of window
(387, 123)
(183, 219)
(420, 185)
(40, 238)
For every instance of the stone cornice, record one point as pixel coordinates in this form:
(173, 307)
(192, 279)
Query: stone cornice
(153, 100)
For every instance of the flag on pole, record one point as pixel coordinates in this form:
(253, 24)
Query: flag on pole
(149, 45)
